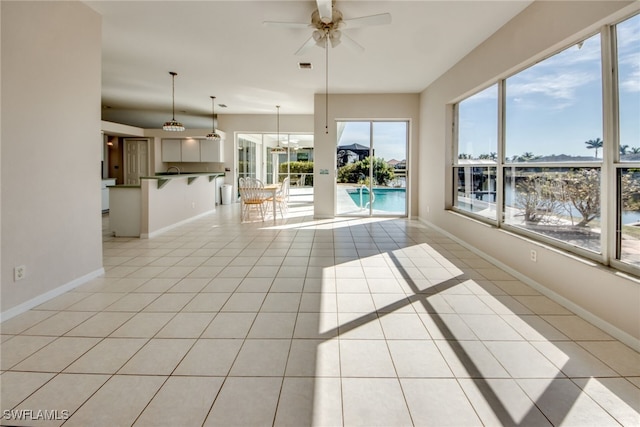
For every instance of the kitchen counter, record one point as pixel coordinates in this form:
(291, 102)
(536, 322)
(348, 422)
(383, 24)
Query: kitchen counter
(164, 177)
(152, 208)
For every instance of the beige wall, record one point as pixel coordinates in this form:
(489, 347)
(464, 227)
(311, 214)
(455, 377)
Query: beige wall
(610, 300)
(365, 107)
(51, 149)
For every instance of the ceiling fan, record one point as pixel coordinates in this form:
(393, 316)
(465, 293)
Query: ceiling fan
(327, 22)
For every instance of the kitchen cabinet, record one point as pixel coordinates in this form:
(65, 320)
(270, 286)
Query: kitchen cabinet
(171, 150)
(190, 149)
(211, 151)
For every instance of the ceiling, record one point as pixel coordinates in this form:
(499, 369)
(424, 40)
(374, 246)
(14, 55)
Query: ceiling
(223, 49)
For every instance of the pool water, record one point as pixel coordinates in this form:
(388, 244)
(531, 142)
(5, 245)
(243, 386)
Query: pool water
(385, 199)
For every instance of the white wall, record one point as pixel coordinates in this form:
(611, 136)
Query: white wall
(366, 107)
(609, 299)
(51, 142)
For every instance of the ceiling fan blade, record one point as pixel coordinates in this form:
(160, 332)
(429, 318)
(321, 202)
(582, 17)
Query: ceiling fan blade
(351, 43)
(306, 46)
(325, 10)
(365, 21)
(286, 24)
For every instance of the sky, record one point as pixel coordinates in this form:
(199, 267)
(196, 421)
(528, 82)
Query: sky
(555, 106)
(389, 138)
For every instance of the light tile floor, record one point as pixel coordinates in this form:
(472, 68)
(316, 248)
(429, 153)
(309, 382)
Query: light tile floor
(354, 322)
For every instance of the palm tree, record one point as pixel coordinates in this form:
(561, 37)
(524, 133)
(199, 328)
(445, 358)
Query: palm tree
(594, 144)
(623, 149)
(635, 150)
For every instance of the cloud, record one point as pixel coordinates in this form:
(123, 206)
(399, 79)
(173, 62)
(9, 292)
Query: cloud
(628, 34)
(629, 73)
(557, 86)
(559, 77)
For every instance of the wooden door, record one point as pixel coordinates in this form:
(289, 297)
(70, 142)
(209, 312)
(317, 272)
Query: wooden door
(136, 160)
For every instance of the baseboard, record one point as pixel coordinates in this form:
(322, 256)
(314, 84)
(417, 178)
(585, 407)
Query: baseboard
(174, 225)
(42, 298)
(612, 330)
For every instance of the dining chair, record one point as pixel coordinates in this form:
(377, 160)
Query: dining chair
(252, 198)
(282, 197)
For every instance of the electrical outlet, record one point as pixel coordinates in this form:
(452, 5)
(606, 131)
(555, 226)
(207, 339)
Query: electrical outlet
(193, 205)
(19, 272)
(534, 255)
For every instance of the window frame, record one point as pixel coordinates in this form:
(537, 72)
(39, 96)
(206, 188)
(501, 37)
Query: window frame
(455, 163)
(609, 166)
(616, 165)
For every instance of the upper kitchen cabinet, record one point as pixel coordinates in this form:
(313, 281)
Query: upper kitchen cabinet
(211, 151)
(190, 150)
(171, 150)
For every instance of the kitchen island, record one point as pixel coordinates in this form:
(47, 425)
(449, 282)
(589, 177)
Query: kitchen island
(161, 202)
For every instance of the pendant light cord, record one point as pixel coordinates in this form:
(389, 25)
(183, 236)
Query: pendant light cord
(213, 114)
(326, 90)
(173, 95)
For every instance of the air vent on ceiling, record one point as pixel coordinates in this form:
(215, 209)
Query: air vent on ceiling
(305, 65)
(222, 105)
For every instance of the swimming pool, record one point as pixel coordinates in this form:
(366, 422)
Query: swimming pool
(384, 199)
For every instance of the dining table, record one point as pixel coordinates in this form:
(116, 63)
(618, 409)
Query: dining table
(271, 190)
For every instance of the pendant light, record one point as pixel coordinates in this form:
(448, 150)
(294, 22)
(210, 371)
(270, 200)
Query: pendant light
(173, 125)
(278, 149)
(213, 136)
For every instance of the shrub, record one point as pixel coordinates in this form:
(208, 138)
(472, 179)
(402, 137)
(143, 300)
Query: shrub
(358, 172)
(296, 168)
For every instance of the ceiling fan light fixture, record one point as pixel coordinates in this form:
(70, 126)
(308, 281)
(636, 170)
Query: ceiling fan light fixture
(173, 125)
(213, 136)
(334, 37)
(318, 36)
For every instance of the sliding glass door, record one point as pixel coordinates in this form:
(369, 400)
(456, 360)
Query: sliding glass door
(371, 161)
(249, 156)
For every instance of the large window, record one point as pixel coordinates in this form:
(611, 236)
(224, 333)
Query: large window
(477, 154)
(628, 59)
(628, 166)
(553, 122)
(540, 171)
